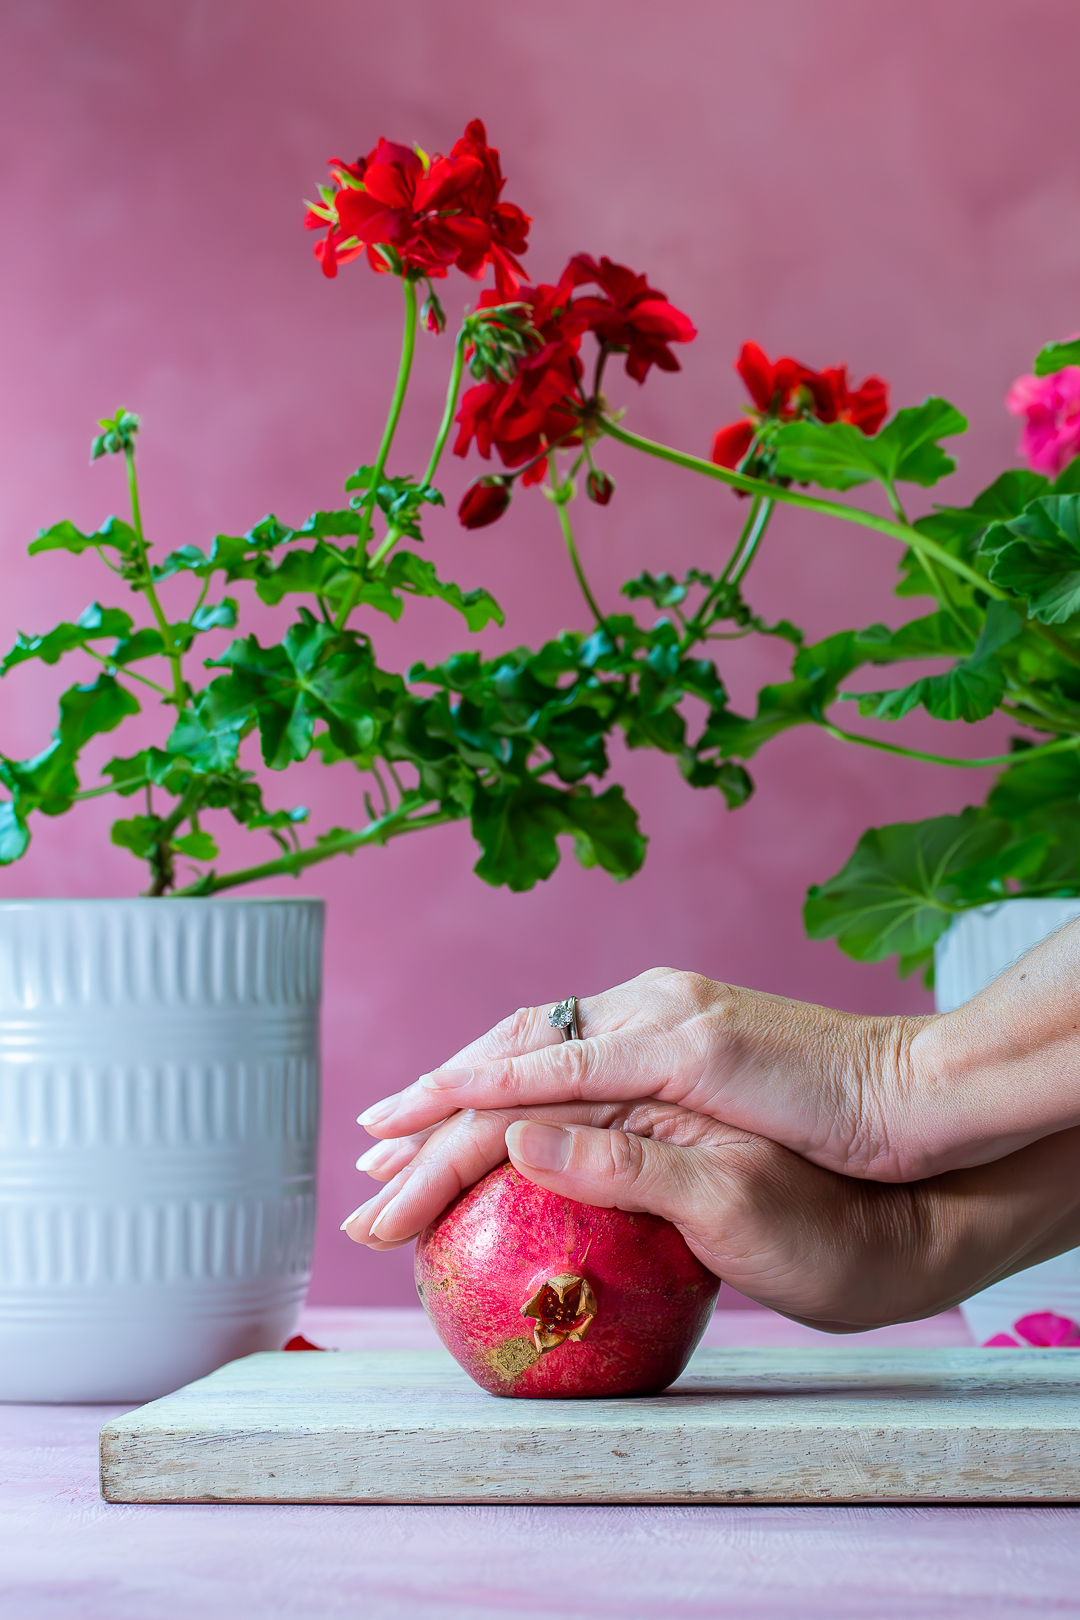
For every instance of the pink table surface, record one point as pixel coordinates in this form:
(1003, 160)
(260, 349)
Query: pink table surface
(66, 1555)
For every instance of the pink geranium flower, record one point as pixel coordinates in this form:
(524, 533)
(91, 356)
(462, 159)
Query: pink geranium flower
(1042, 1329)
(1050, 407)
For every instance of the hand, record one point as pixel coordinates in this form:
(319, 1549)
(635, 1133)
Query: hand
(836, 1253)
(890, 1099)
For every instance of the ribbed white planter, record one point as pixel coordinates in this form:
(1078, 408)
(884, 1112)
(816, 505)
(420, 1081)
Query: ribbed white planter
(980, 945)
(159, 1074)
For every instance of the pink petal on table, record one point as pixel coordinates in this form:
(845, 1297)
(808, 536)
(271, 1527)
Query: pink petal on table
(1048, 1331)
(1002, 1341)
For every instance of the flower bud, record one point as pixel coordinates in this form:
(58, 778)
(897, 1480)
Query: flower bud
(433, 315)
(484, 502)
(599, 486)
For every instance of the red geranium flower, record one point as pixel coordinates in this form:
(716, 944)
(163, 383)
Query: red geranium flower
(433, 213)
(784, 390)
(413, 207)
(866, 407)
(536, 409)
(773, 385)
(633, 316)
(731, 443)
(506, 225)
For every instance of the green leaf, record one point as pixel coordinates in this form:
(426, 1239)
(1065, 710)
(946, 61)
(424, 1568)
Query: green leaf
(185, 560)
(1038, 557)
(143, 644)
(836, 455)
(517, 830)
(1033, 783)
(605, 831)
(331, 525)
(211, 742)
(140, 834)
(938, 635)
(1055, 356)
(199, 845)
(215, 615)
(66, 537)
(14, 835)
(93, 624)
(300, 570)
(734, 782)
(316, 673)
(663, 590)
(87, 711)
(408, 572)
(970, 691)
(902, 886)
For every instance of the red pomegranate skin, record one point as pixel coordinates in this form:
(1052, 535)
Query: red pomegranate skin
(497, 1245)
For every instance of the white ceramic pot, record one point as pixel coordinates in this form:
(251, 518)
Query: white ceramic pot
(159, 1074)
(979, 945)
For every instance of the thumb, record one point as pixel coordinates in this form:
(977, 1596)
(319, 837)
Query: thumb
(613, 1169)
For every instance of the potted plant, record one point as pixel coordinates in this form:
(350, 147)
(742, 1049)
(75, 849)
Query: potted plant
(158, 1086)
(158, 1089)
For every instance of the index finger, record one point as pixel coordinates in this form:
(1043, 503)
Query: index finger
(619, 1066)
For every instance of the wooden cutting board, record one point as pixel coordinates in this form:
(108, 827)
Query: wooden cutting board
(836, 1423)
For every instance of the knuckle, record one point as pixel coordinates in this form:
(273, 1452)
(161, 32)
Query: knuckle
(628, 1166)
(514, 1027)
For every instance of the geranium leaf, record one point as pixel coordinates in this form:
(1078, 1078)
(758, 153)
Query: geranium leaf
(1054, 356)
(901, 887)
(93, 624)
(1037, 555)
(66, 537)
(837, 455)
(408, 572)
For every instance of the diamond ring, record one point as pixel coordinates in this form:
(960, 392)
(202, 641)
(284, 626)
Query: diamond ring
(563, 1017)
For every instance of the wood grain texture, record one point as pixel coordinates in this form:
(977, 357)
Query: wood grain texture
(834, 1424)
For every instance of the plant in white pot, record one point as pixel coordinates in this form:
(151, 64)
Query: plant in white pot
(159, 1055)
(963, 896)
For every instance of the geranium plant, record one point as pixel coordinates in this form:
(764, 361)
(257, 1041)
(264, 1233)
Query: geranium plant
(518, 743)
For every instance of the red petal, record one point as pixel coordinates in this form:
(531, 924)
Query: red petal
(731, 443)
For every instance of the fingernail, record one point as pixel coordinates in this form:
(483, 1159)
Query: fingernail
(349, 1218)
(379, 1111)
(373, 1157)
(446, 1079)
(541, 1147)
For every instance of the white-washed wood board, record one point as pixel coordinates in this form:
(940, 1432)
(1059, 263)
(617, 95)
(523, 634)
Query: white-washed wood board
(835, 1423)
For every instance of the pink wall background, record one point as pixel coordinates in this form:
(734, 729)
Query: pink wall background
(896, 186)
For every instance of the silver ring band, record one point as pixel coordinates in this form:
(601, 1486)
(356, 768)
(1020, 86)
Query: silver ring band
(563, 1017)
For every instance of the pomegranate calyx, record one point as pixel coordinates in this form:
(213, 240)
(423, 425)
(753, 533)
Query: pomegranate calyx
(561, 1309)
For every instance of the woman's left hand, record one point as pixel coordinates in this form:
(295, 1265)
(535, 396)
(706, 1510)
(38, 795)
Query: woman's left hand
(837, 1253)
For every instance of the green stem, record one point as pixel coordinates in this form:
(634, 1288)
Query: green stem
(919, 543)
(111, 787)
(376, 832)
(744, 535)
(561, 500)
(122, 669)
(408, 346)
(756, 536)
(172, 651)
(449, 408)
(1058, 747)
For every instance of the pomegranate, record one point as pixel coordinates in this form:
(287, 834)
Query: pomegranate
(536, 1295)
